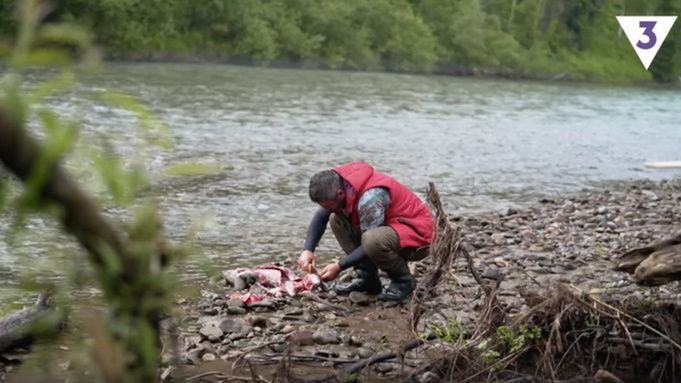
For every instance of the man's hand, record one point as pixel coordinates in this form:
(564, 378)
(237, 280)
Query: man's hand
(305, 260)
(330, 272)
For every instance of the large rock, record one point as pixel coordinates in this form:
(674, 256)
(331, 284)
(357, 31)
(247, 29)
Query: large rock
(210, 332)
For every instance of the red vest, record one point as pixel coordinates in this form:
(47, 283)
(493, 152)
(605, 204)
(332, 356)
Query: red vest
(407, 214)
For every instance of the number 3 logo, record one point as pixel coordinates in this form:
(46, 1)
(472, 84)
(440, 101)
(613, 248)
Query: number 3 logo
(648, 32)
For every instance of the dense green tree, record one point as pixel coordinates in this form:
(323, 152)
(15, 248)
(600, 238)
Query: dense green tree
(665, 66)
(538, 38)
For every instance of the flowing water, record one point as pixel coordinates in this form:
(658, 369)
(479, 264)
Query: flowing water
(485, 144)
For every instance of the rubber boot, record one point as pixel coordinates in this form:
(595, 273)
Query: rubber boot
(366, 280)
(402, 284)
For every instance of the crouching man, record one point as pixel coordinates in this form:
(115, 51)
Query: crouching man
(378, 222)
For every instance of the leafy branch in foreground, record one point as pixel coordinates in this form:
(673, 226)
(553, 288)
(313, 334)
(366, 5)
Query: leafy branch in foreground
(128, 264)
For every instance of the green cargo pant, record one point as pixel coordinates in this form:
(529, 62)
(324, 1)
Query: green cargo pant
(381, 244)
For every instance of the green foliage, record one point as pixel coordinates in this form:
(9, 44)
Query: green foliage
(537, 38)
(451, 331)
(517, 341)
(506, 342)
(135, 288)
(666, 66)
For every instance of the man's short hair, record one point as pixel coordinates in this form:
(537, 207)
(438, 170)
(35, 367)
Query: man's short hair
(324, 185)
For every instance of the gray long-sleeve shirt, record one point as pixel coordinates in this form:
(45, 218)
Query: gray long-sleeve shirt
(371, 209)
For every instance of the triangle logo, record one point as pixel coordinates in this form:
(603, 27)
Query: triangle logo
(646, 34)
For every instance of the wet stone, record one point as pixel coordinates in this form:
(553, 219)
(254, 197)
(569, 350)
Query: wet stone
(236, 311)
(384, 367)
(360, 298)
(294, 311)
(194, 356)
(241, 345)
(355, 341)
(538, 269)
(210, 331)
(230, 326)
(492, 273)
(302, 338)
(309, 317)
(258, 321)
(364, 352)
(236, 302)
(265, 303)
(325, 337)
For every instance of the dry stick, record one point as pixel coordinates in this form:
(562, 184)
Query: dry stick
(382, 357)
(251, 349)
(255, 377)
(491, 302)
(308, 358)
(314, 297)
(620, 312)
(414, 343)
(202, 375)
(555, 329)
(445, 246)
(611, 316)
(637, 343)
(222, 376)
(504, 361)
(573, 344)
(626, 330)
(532, 278)
(474, 272)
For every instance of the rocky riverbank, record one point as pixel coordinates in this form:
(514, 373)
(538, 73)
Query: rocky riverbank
(570, 240)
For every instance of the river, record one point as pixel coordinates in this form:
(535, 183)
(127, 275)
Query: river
(486, 144)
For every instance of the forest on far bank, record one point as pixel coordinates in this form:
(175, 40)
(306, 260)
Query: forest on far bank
(577, 39)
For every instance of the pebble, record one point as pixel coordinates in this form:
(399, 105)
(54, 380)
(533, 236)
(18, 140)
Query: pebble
(230, 326)
(236, 310)
(325, 337)
(355, 341)
(194, 356)
(359, 298)
(383, 367)
(258, 321)
(364, 352)
(302, 338)
(208, 331)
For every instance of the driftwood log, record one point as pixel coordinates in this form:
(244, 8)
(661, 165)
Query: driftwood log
(19, 329)
(660, 262)
(656, 264)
